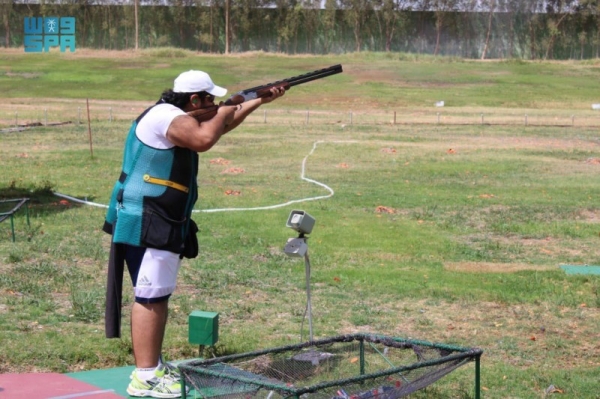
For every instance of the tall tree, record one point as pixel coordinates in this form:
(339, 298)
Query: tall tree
(310, 16)
(247, 21)
(127, 24)
(591, 10)
(289, 18)
(514, 10)
(227, 26)
(491, 4)
(182, 11)
(157, 23)
(582, 37)
(6, 7)
(207, 25)
(356, 13)
(330, 24)
(283, 30)
(136, 6)
(557, 11)
(388, 14)
(441, 9)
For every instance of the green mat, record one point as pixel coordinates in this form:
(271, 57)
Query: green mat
(581, 269)
(115, 378)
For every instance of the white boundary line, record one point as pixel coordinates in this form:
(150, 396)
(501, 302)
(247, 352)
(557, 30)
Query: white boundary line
(259, 208)
(78, 395)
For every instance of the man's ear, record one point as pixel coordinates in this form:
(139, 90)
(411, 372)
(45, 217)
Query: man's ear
(194, 99)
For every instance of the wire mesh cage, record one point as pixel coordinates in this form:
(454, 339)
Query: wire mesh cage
(357, 366)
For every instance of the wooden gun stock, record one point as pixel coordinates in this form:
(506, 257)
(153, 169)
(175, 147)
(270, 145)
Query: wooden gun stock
(204, 114)
(263, 91)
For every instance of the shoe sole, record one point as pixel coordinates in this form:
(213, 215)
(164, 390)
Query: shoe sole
(144, 393)
(138, 393)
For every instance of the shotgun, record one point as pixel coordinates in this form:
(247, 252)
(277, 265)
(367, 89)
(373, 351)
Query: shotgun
(207, 113)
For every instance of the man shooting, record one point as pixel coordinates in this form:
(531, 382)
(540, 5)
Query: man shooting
(149, 215)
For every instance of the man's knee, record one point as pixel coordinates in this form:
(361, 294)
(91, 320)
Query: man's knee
(151, 301)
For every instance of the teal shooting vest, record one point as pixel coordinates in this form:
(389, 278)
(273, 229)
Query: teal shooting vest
(151, 203)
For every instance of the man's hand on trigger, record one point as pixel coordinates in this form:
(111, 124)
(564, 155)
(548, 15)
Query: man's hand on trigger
(276, 92)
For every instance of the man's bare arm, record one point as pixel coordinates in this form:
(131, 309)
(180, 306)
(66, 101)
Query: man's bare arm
(250, 106)
(185, 131)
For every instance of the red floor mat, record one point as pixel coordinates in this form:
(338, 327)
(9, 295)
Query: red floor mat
(50, 386)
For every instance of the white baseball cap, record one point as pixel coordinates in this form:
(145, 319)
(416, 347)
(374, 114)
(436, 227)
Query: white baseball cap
(196, 81)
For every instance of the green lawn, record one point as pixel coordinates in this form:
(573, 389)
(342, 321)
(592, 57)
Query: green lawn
(450, 233)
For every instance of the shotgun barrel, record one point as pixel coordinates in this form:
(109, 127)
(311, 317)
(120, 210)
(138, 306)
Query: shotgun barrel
(264, 90)
(204, 114)
(296, 80)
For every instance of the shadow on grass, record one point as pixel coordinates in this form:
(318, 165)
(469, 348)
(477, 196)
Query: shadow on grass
(42, 201)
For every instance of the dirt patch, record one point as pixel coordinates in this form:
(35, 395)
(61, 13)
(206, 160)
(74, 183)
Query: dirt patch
(219, 161)
(233, 171)
(490, 267)
(26, 75)
(590, 216)
(369, 75)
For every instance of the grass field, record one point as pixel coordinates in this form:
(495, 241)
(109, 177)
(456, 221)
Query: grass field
(440, 231)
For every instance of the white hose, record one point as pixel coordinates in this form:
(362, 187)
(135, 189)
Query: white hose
(259, 208)
(79, 201)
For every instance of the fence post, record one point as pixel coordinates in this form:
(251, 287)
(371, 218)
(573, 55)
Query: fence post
(79, 115)
(87, 103)
(265, 117)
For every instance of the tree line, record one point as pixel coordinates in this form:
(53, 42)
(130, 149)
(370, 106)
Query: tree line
(524, 29)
